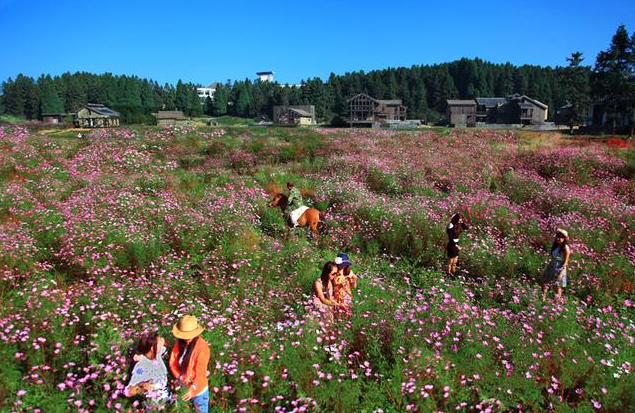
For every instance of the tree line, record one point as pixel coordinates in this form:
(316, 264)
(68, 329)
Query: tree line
(424, 89)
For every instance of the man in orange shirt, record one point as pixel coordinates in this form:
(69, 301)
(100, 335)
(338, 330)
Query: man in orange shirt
(188, 362)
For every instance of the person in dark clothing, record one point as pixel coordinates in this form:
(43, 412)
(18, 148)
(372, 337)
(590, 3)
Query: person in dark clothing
(454, 229)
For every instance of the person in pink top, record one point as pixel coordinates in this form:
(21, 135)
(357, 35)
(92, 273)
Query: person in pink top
(323, 292)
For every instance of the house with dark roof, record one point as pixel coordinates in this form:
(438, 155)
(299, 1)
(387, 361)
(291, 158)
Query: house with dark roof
(515, 109)
(487, 109)
(368, 111)
(170, 117)
(96, 115)
(294, 115)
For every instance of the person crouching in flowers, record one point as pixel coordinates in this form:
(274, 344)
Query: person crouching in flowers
(323, 292)
(149, 375)
(556, 271)
(454, 229)
(343, 284)
(188, 362)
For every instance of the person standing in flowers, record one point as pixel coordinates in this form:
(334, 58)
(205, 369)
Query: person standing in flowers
(556, 271)
(294, 200)
(149, 376)
(188, 362)
(323, 292)
(454, 229)
(343, 284)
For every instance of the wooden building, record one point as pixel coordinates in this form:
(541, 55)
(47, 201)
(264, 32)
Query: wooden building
(529, 111)
(367, 111)
(490, 110)
(515, 109)
(53, 118)
(294, 115)
(461, 112)
(170, 117)
(96, 115)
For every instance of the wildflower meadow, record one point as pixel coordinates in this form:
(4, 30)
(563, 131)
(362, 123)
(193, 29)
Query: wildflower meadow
(124, 230)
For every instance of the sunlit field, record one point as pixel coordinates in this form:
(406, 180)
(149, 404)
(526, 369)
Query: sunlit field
(125, 230)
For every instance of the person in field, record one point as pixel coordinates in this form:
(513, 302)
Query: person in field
(323, 292)
(454, 229)
(149, 376)
(344, 282)
(188, 362)
(556, 271)
(294, 203)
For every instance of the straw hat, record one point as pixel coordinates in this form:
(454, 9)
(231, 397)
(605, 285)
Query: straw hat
(563, 232)
(187, 328)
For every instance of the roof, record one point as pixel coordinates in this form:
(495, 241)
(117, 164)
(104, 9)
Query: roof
(534, 101)
(102, 109)
(491, 102)
(530, 100)
(461, 102)
(389, 101)
(264, 73)
(170, 114)
(301, 112)
(362, 94)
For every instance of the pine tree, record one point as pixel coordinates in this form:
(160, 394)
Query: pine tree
(181, 97)
(220, 101)
(243, 100)
(614, 76)
(576, 87)
(50, 102)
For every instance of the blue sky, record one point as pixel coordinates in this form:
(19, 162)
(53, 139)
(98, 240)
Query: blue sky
(205, 41)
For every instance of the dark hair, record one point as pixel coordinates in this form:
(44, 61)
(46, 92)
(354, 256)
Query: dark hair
(456, 218)
(326, 271)
(346, 270)
(290, 184)
(182, 363)
(562, 245)
(146, 342)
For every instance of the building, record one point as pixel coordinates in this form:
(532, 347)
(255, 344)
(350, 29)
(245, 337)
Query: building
(488, 109)
(530, 111)
(96, 115)
(294, 115)
(265, 76)
(206, 92)
(461, 112)
(367, 111)
(513, 110)
(53, 118)
(170, 117)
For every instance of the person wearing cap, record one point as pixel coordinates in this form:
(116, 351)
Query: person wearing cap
(556, 271)
(188, 361)
(454, 229)
(343, 284)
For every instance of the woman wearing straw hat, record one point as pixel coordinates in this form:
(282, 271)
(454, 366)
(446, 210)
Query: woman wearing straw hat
(188, 361)
(556, 271)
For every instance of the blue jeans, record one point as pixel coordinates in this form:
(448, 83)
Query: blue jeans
(201, 402)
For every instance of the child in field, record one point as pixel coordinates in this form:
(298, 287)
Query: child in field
(149, 375)
(556, 271)
(454, 229)
(188, 362)
(343, 284)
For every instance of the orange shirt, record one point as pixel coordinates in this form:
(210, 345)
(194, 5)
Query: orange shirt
(196, 375)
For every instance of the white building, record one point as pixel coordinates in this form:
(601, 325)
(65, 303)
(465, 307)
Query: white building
(205, 92)
(265, 76)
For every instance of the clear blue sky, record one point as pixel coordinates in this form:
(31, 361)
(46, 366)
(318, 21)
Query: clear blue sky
(205, 41)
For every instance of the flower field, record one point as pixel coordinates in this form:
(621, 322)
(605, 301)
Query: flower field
(104, 237)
